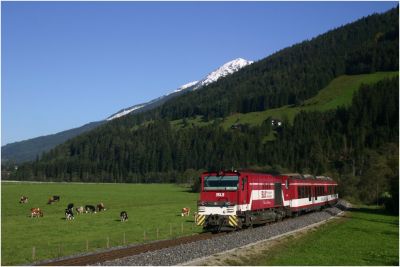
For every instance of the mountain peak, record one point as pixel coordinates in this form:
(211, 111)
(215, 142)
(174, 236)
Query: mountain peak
(226, 69)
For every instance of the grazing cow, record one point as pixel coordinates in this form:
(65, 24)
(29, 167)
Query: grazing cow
(124, 216)
(23, 200)
(70, 206)
(69, 215)
(53, 199)
(80, 210)
(100, 207)
(36, 212)
(185, 211)
(90, 209)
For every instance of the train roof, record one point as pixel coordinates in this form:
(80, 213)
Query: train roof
(291, 175)
(307, 176)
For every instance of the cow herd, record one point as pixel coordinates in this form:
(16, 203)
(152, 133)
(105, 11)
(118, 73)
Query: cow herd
(69, 211)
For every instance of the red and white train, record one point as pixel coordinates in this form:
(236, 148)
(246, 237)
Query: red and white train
(238, 199)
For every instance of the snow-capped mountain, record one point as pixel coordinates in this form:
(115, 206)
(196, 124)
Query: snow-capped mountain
(226, 69)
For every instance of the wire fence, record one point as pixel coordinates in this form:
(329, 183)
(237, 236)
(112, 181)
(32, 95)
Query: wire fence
(104, 241)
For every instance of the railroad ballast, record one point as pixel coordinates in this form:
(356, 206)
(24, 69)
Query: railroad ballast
(231, 200)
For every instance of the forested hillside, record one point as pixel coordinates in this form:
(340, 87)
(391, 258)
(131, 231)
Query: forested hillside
(346, 143)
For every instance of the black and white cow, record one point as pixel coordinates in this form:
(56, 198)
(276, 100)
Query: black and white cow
(70, 206)
(90, 209)
(124, 216)
(69, 215)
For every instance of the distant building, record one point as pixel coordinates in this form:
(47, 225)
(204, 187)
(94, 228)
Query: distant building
(276, 122)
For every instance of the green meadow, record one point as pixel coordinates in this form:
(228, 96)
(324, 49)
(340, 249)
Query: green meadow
(154, 212)
(365, 236)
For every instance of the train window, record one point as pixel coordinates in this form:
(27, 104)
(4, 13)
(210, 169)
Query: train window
(301, 191)
(221, 182)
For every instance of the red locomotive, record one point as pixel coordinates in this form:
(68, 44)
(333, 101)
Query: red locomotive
(238, 199)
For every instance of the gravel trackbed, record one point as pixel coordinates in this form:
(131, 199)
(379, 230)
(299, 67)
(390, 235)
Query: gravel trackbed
(188, 253)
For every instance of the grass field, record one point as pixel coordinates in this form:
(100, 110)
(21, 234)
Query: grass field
(149, 207)
(365, 236)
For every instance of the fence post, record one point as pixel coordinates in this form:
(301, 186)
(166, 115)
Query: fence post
(108, 242)
(33, 253)
(124, 239)
(87, 245)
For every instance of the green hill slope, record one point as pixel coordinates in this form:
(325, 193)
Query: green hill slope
(338, 93)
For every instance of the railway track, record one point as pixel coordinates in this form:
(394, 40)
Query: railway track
(129, 251)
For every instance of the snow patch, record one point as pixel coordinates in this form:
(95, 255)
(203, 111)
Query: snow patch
(124, 112)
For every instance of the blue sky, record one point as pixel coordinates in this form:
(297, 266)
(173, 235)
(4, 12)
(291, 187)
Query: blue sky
(65, 64)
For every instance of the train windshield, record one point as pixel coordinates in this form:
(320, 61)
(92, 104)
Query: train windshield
(221, 182)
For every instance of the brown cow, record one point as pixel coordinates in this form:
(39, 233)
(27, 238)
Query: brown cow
(185, 211)
(101, 207)
(23, 200)
(36, 212)
(80, 210)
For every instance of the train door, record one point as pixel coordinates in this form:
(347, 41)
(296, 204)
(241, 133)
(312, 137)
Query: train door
(278, 194)
(244, 190)
(313, 194)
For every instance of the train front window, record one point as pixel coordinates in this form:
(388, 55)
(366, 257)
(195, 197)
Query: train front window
(221, 183)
